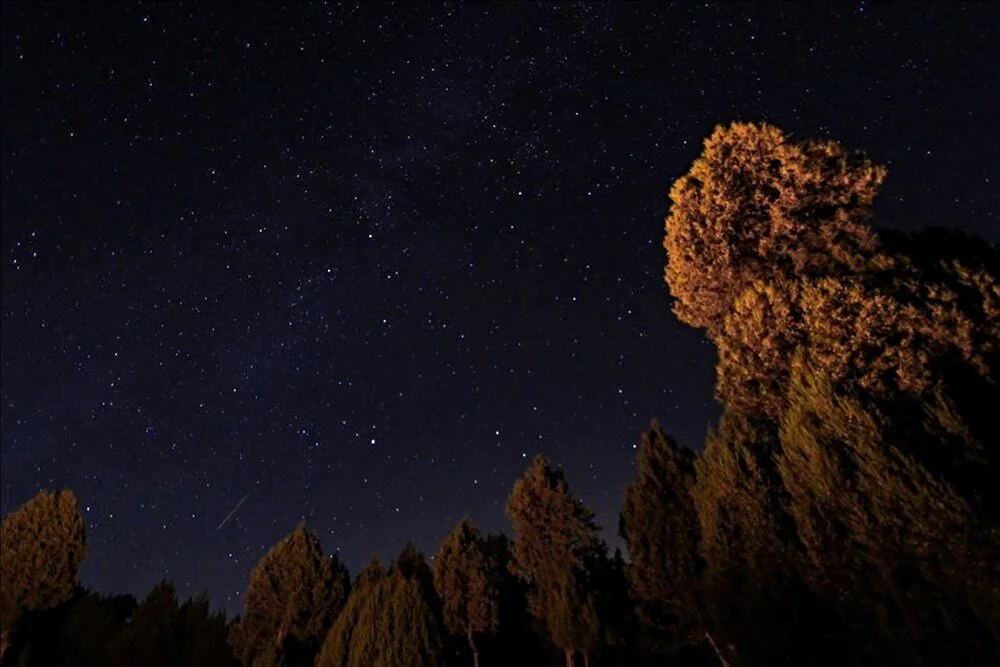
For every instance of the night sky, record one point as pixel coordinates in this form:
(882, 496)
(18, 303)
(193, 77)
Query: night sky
(359, 264)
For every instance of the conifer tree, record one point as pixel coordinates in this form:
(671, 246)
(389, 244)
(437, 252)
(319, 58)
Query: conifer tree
(154, 635)
(386, 623)
(412, 564)
(555, 538)
(41, 548)
(892, 549)
(467, 585)
(204, 635)
(371, 573)
(748, 582)
(294, 596)
(660, 528)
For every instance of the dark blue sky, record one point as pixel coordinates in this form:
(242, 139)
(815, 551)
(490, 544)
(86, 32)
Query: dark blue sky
(361, 263)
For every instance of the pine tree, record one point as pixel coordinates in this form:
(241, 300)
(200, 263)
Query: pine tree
(370, 574)
(749, 585)
(386, 623)
(42, 546)
(555, 537)
(412, 564)
(154, 635)
(467, 585)
(894, 550)
(659, 525)
(203, 635)
(294, 596)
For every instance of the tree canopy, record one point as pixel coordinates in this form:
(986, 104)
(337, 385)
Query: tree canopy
(41, 548)
(294, 596)
(555, 541)
(660, 528)
(467, 584)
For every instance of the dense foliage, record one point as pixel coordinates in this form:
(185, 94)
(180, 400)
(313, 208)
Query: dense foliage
(844, 510)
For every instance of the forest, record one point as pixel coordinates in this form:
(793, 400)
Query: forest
(843, 511)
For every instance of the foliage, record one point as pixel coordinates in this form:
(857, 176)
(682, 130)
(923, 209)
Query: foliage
(76, 633)
(41, 548)
(467, 584)
(371, 573)
(757, 206)
(555, 539)
(893, 548)
(660, 528)
(745, 542)
(770, 249)
(385, 624)
(294, 596)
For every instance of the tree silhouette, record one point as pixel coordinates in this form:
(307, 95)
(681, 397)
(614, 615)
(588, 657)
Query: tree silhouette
(294, 596)
(466, 584)
(660, 528)
(555, 538)
(42, 545)
(153, 635)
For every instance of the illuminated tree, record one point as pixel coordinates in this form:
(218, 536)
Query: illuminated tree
(387, 623)
(371, 573)
(893, 549)
(757, 206)
(294, 596)
(660, 528)
(42, 546)
(747, 545)
(555, 540)
(467, 585)
(770, 250)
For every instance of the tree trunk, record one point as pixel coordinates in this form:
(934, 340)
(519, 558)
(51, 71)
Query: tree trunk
(472, 645)
(570, 657)
(715, 648)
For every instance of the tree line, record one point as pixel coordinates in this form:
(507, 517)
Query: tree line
(843, 511)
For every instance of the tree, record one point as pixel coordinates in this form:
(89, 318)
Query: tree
(757, 206)
(411, 564)
(42, 546)
(154, 635)
(203, 635)
(555, 537)
(75, 633)
(659, 525)
(387, 623)
(749, 584)
(893, 549)
(467, 585)
(294, 596)
(520, 637)
(370, 574)
(770, 249)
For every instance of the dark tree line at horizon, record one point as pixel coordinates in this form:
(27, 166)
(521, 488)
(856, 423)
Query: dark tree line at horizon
(844, 510)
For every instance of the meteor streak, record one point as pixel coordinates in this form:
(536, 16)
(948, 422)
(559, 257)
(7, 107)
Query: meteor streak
(230, 515)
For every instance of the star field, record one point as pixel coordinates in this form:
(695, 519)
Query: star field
(363, 262)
